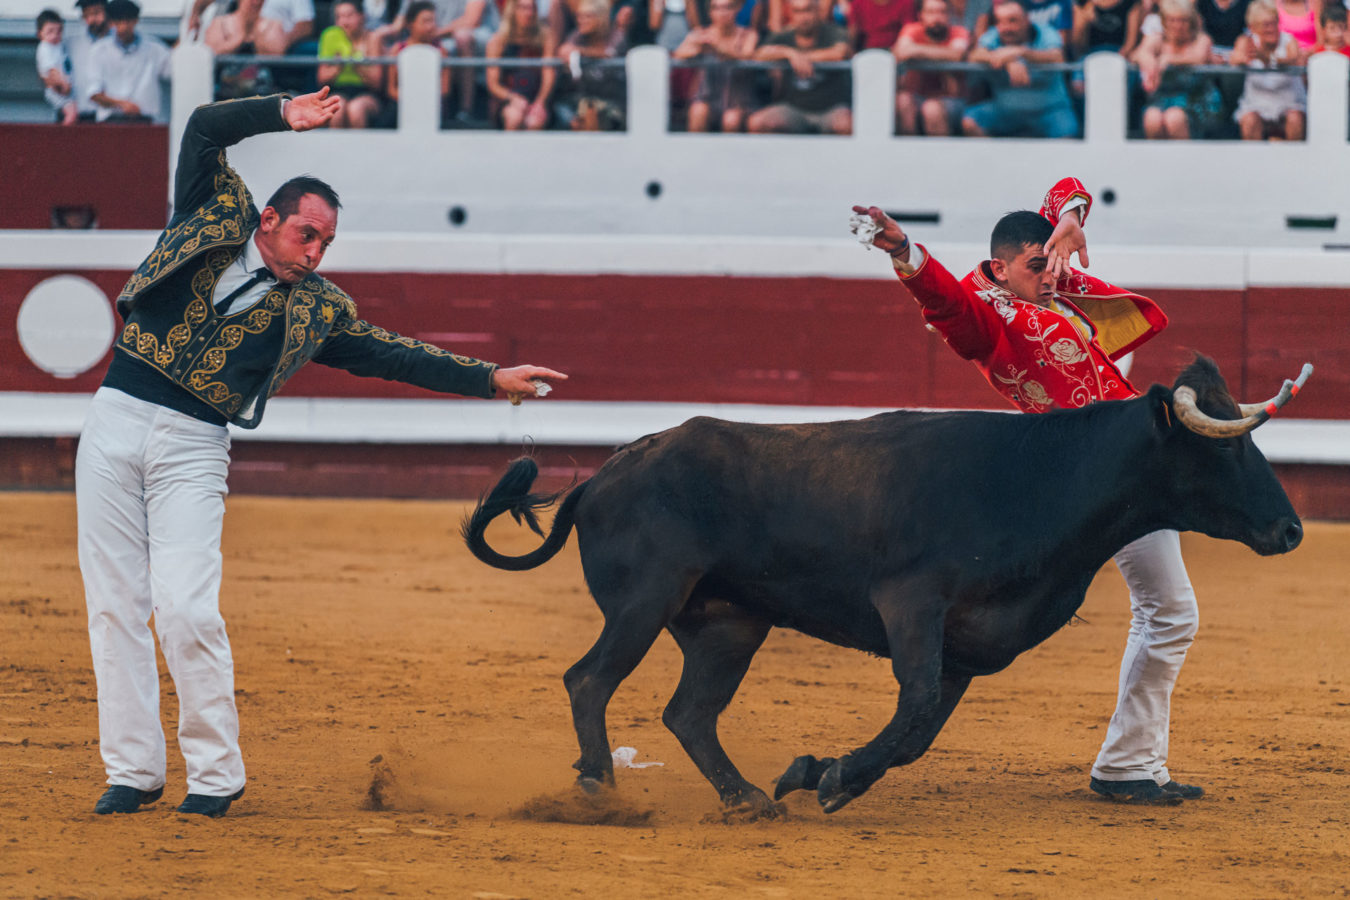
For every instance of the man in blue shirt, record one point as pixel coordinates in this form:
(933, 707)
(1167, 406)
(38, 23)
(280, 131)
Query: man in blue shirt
(1025, 103)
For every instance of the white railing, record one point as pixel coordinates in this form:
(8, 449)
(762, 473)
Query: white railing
(649, 180)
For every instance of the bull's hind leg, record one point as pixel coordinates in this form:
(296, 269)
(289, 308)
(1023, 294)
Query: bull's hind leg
(718, 641)
(634, 617)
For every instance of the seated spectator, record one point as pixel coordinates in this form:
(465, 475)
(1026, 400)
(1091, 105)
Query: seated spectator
(296, 18)
(245, 32)
(777, 13)
(1273, 104)
(127, 68)
(930, 102)
(53, 66)
(597, 98)
(420, 18)
(1333, 30)
(358, 87)
(721, 92)
(1024, 104)
(1224, 21)
(1106, 25)
(80, 44)
(876, 24)
(1181, 104)
(1298, 19)
(521, 98)
(466, 26)
(809, 101)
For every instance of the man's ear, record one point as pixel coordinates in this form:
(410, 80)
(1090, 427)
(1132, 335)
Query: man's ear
(999, 269)
(270, 220)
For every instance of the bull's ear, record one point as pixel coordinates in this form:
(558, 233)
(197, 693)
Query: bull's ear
(1160, 404)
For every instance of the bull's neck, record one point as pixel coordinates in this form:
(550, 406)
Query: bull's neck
(1109, 493)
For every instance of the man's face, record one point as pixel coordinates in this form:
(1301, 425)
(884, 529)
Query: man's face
(50, 33)
(1027, 275)
(934, 17)
(1334, 32)
(251, 8)
(1267, 28)
(526, 13)
(423, 28)
(293, 248)
(805, 16)
(722, 12)
(125, 29)
(95, 18)
(1014, 28)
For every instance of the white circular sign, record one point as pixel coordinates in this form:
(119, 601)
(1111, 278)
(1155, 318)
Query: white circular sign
(65, 325)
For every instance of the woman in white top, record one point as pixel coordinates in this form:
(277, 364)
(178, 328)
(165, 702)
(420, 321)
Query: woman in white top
(1273, 104)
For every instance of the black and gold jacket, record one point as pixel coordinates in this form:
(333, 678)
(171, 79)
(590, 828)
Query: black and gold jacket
(235, 363)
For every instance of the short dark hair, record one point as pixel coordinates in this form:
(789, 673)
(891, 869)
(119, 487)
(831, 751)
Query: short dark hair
(1333, 12)
(47, 17)
(416, 8)
(1017, 230)
(360, 7)
(286, 199)
(123, 11)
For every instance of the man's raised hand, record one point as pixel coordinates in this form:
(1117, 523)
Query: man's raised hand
(311, 110)
(1066, 240)
(890, 237)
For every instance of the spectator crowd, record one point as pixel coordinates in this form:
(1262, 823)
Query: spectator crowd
(1200, 68)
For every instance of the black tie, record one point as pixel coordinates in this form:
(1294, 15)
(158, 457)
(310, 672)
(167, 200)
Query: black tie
(260, 274)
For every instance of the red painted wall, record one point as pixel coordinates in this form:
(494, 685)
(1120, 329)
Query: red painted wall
(122, 171)
(813, 341)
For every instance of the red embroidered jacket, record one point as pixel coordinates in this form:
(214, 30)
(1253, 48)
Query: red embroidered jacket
(1036, 357)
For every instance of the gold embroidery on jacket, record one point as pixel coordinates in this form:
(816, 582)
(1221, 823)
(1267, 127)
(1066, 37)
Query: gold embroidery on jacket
(203, 285)
(361, 328)
(224, 220)
(255, 321)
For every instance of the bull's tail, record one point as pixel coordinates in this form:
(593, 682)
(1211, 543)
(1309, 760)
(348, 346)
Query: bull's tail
(512, 494)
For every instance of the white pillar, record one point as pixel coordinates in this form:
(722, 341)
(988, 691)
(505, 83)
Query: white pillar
(873, 95)
(1105, 100)
(419, 91)
(648, 70)
(194, 80)
(1328, 101)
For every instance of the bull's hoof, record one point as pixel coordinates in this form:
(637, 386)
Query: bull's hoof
(831, 793)
(751, 807)
(593, 785)
(803, 775)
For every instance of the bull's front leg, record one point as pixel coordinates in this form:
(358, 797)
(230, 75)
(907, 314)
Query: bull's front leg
(927, 698)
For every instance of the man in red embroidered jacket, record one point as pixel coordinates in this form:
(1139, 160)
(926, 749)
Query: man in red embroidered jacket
(1047, 336)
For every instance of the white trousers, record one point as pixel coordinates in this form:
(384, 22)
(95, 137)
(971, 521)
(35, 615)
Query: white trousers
(1164, 619)
(150, 495)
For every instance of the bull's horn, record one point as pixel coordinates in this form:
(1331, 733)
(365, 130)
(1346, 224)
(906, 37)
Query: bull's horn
(1253, 414)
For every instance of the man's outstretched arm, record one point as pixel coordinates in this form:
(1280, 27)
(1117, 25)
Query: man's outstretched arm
(215, 126)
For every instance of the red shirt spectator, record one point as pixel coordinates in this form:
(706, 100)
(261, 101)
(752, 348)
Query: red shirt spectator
(932, 84)
(877, 23)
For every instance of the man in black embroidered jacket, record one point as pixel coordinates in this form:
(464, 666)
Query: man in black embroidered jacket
(222, 312)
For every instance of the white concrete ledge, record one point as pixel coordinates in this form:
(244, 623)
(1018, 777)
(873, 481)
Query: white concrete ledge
(586, 423)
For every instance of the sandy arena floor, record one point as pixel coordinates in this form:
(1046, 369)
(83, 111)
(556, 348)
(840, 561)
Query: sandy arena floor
(379, 665)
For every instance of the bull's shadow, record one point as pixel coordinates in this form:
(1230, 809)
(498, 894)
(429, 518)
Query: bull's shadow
(949, 542)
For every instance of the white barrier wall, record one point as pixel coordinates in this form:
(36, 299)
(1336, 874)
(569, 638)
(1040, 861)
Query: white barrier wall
(1152, 193)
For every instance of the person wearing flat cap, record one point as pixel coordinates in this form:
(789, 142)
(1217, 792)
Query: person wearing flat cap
(126, 71)
(79, 45)
(225, 309)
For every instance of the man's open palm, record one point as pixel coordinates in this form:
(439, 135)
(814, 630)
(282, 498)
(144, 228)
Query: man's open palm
(311, 110)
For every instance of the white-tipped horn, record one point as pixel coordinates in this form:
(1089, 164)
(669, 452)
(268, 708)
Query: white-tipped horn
(1253, 414)
(1287, 391)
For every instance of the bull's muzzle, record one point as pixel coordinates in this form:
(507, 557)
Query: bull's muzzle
(1253, 414)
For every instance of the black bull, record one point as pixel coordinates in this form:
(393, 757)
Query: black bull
(949, 542)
